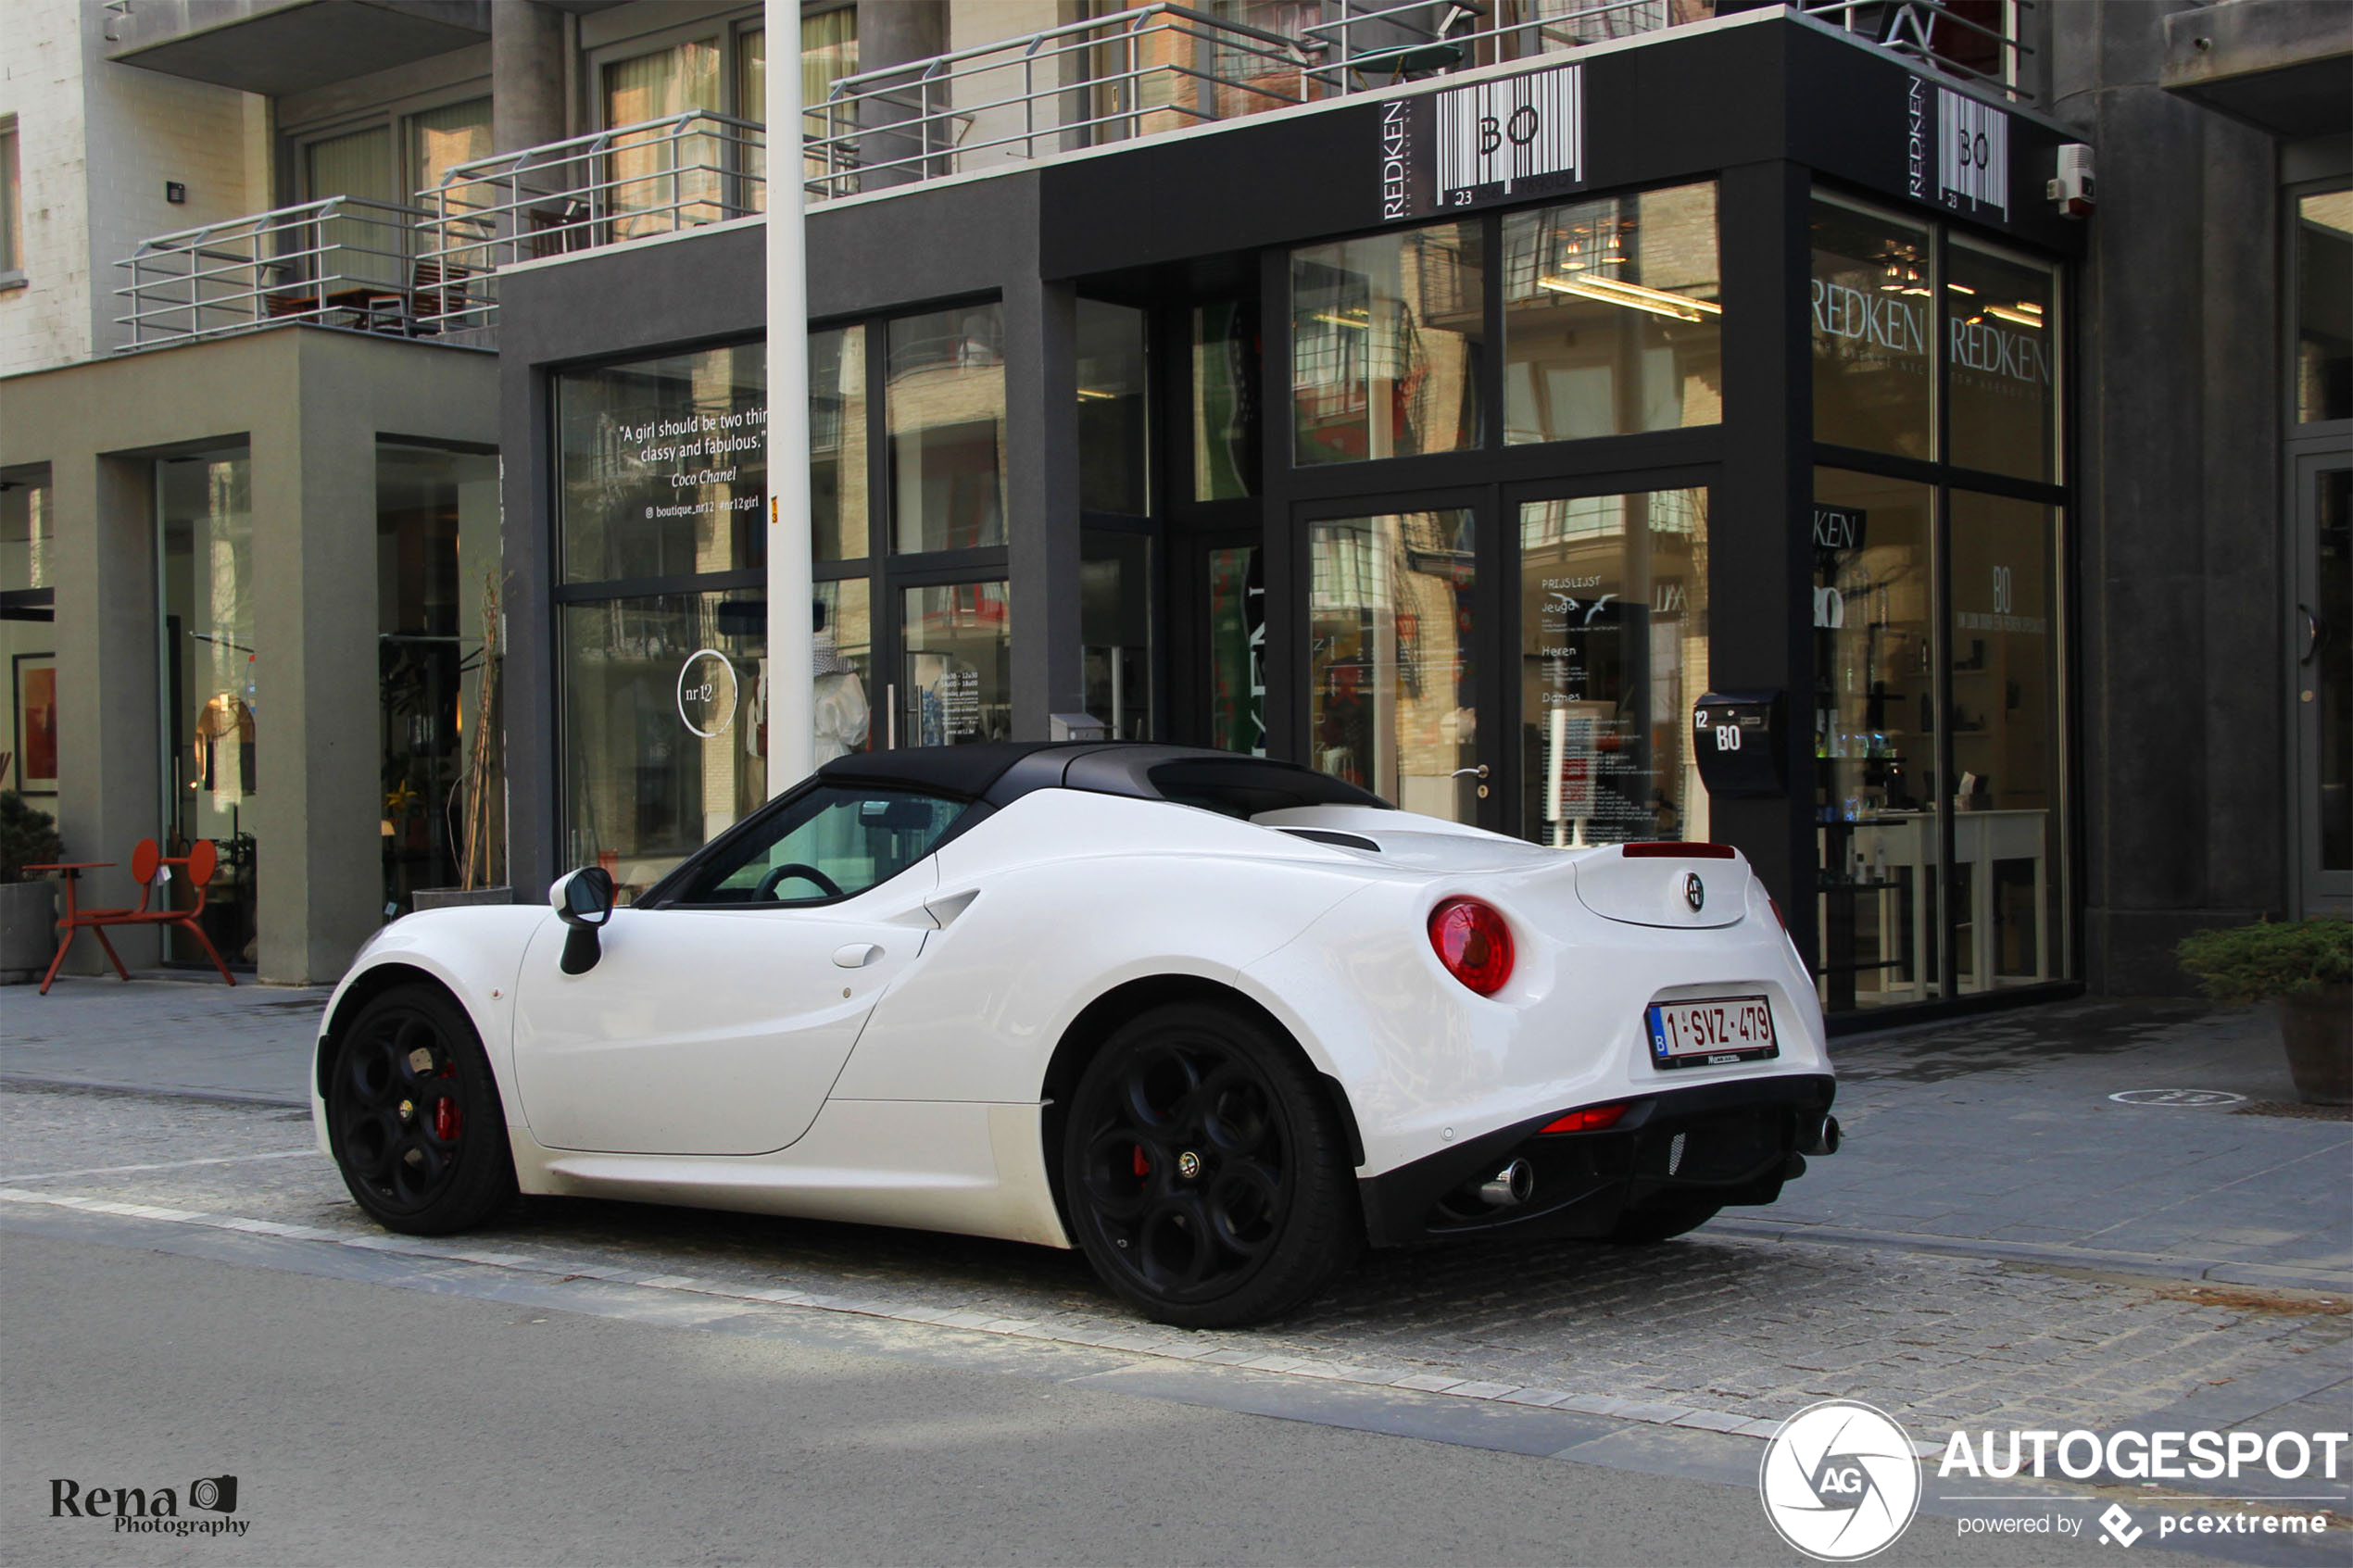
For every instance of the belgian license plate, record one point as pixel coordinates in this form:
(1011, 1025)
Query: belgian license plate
(1714, 1031)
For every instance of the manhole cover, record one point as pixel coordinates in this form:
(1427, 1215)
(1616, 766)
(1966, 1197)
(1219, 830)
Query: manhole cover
(2177, 1097)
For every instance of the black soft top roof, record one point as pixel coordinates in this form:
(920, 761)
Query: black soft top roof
(1000, 772)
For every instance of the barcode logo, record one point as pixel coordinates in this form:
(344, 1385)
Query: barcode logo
(1973, 157)
(1499, 134)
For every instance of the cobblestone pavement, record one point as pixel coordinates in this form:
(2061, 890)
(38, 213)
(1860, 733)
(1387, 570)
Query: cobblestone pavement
(1716, 1331)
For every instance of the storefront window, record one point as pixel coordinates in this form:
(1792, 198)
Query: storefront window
(1611, 324)
(956, 682)
(2324, 307)
(2006, 897)
(844, 668)
(1113, 419)
(436, 565)
(1390, 696)
(27, 631)
(1385, 343)
(1225, 379)
(213, 702)
(665, 736)
(1612, 653)
(1115, 628)
(945, 403)
(1875, 739)
(2001, 337)
(837, 442)
(1874, 281)
(664, 465)
(1237, 651)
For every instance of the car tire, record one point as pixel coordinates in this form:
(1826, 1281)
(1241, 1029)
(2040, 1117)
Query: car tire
(413, 1116)
(1204, 1171)
(1661, 1222)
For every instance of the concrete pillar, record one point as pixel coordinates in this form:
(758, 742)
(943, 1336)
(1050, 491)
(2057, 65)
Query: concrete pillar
(2177, 527)
(1041, 500)
(320, 884)
(895, 32)
(109, 769)
(526, 75)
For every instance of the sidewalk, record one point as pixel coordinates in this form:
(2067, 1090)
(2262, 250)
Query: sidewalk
(1989, 1137)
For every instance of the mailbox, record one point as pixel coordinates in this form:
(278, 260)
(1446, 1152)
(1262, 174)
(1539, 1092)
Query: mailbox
(1741, 741)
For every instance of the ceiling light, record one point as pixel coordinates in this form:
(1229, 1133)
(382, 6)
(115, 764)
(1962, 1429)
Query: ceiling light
(2007, 314)
(1658, 301)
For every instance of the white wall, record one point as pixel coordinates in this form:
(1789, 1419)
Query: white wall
(97, 140)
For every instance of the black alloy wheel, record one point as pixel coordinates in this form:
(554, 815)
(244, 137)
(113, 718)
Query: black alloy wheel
(1205, 1173)
(413, 1117)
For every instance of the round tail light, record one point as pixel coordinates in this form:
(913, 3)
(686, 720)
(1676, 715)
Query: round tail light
(1474, 943)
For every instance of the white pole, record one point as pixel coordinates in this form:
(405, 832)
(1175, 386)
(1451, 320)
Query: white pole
(791, 680)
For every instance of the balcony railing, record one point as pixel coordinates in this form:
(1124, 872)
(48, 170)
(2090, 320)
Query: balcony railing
(432, 269)
(340, 261)
(631, 183)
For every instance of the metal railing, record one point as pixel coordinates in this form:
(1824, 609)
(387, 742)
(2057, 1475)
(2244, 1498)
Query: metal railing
(1940, 36)
(631, 183)
(1108, 79)
(339, 261)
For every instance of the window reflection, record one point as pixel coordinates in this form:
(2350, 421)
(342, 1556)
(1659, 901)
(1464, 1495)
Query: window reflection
(1238, 649)
(843, 668)
(1386, 336)
(1115, 628)
(1612, 654)
(2001, 338)
(945, 405)
(1611, 323)
(1873, 284)
(956, 682)
(664, 465)
(837, 442)
(1113, 409)
(2324, 307)
(1225, 422)
(1391, 702)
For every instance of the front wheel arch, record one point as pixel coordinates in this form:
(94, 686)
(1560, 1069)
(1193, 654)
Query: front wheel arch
(1101, 1018)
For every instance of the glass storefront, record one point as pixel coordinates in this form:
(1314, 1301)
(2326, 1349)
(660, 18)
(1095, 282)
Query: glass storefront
(1874, 364)
(843, 668)
(1611, 324)
(1225, 401)
(944, 405)
(663, 466)
(2001, 336)
(28, 633)
(838, 467)
(1876, 739)
(1235, 607)
(956, 685)
(1391, 674)
(438, 774)
(2324, 307)
(1116, 623)
(1612, 654)
(213, 708)
(1387, 336)
(1115, 381)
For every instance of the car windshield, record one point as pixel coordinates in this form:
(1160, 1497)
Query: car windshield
(835, 842)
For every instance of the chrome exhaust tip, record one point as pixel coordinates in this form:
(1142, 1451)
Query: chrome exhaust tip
(1509, 1187)
(1824, 1139)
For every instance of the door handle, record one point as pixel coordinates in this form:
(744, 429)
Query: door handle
(2314, 633)
(857, 955)
(1478, 772)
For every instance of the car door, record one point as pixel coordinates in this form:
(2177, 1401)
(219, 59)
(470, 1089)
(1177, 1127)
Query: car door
(715, 1021)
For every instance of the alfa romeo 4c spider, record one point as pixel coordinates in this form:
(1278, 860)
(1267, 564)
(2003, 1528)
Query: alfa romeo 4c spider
(1217, 1020)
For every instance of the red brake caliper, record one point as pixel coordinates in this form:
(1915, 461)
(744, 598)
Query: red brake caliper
(1143, 1166)
(446, 1120)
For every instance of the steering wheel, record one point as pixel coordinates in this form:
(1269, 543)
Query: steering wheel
(767, 888)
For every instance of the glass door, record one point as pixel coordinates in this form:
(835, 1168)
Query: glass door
(2321, 682)
(1396, 631)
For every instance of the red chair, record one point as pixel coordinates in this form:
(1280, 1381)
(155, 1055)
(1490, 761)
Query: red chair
(196, 865)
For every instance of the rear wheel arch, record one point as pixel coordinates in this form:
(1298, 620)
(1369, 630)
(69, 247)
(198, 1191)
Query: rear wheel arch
(1101, 1018)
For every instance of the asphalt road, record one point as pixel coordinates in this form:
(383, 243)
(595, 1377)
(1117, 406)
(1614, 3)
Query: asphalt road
(370, 1423)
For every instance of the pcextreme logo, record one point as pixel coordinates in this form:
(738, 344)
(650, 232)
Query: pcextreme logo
(1840, 1480)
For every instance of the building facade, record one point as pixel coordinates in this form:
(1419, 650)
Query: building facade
(1462, 405)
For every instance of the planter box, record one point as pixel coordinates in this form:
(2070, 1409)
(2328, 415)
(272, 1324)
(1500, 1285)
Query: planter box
(28, 930)
(457, 897)
(2318, 1031)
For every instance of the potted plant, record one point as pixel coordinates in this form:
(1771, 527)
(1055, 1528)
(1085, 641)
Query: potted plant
(473, 805)
(28, 903)
(2307, 967)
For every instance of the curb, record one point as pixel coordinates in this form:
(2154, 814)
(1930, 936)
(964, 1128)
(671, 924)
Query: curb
(2220, 1271)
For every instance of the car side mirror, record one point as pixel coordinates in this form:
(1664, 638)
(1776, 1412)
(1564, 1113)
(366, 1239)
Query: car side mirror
(584, 902)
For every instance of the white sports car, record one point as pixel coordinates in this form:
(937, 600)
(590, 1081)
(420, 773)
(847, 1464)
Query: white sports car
(1217, 1020)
